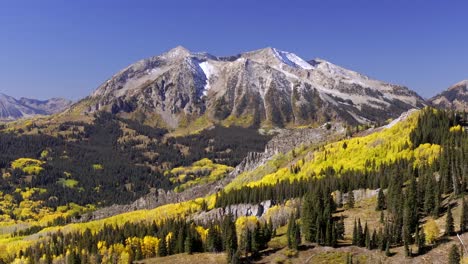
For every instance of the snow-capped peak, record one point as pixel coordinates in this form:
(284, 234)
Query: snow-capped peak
(292, 59)
(177, 52)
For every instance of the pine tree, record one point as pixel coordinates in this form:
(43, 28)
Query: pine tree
(340, 228)
(454, 255)
(380, 201)
(355, 234)
(188, 244)
(293, 233)
(213, 239)
(230, 238)
(257, 239)
(368, 238)
(449, 226)
(429, 195)
(162, 247)
(307, 219)
(361, 238)
(464, 216)
(374, 240)
(436, 209)
(420, 240)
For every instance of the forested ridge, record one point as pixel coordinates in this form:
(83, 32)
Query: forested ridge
(411, 196)
(110, 161)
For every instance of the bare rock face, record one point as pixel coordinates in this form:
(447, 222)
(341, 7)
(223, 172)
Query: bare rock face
(237, 210)
(454, 98)
(266, 87)
(12, 109)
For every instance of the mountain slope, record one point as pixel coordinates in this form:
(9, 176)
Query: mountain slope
(455, 97)
(12, 109)
(266, 87)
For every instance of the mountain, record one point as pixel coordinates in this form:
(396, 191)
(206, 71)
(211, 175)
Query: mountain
(265, 87)
(455, 97)
(12, 109)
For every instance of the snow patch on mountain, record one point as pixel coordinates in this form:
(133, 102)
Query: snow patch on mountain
(292, 59)
(209, 70)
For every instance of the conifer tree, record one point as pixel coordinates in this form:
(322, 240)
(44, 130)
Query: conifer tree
(449, 226)
(368, 238)
(162, 247)
(360, 233)
(355, 234)
(454, 255)
(188, 244)
(420, 240)
(435, 211)
(464, 216)
(380, 201)
(293, 233)
(429, 195)
(257, 239)
(230, 238)
(307, 219)
(340, 228)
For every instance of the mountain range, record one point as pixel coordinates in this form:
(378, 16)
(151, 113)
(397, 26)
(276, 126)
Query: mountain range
(265, 87)
(260, 157)
(12, 109)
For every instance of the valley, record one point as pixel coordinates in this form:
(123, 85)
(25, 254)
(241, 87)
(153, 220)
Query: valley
(260, 157)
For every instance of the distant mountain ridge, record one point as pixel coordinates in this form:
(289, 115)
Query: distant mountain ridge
(257, 88)
(12, 109)
(455, 97)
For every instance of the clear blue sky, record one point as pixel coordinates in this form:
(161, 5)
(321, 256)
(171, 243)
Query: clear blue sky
(67, 48)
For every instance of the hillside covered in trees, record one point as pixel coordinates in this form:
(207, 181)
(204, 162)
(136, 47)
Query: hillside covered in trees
(409, 177)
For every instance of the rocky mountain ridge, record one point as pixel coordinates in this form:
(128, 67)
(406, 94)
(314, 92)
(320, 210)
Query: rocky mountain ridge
(265, 87)
(455, 97)
(12, 109)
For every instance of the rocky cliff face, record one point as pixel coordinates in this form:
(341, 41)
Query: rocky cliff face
(455, 97)
(266, 87)
(12, 109)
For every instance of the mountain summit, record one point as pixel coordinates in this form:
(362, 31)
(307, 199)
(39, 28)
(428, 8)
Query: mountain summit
(266, 87)
(455, 97)
(12, 109)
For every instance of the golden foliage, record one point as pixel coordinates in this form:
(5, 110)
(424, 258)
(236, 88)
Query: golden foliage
(431, 231)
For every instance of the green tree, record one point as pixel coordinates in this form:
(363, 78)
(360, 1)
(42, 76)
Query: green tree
(293, 233)
(355, 234)
(380, 201)
(454, 255)
(162, 247)
(449, 226)
(464, 216)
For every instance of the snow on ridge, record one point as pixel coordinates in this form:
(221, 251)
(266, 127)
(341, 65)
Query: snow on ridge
(292, 59)
(298, 61)
(209, 71)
